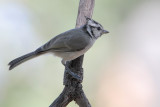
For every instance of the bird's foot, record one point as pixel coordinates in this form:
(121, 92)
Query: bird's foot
(70, 72)
(74, 75)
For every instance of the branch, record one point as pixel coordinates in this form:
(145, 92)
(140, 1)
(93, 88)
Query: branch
(73, 88)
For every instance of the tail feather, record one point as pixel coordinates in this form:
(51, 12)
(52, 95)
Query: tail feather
(21, 59)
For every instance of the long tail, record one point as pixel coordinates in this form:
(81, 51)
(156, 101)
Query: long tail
(21, 59)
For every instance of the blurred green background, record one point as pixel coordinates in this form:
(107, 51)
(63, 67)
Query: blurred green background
(122, 69)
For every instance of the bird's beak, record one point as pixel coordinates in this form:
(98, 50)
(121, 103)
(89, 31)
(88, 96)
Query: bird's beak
(105, 31)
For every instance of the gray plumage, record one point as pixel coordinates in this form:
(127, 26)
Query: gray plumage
(68, 45)
(21, 59)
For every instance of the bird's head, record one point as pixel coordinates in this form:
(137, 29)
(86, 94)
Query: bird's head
(94, 28)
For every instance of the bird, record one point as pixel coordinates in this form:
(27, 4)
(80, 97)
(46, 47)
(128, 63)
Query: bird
(68, 45)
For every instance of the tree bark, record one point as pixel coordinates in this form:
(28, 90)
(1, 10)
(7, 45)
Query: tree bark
(73, 88)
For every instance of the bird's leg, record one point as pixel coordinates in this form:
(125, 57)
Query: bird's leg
(74, 75)
(69, 71)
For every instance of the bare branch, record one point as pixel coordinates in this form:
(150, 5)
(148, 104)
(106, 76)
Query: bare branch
(73, 88)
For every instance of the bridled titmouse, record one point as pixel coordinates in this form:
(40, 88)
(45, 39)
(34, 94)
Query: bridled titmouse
(68, 45)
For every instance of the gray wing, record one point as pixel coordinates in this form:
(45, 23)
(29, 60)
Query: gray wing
(70, 41)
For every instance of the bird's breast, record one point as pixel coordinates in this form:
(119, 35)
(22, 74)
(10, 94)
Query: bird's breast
(67, 56)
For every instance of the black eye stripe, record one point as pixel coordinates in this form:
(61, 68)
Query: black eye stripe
(93, 27)
(98, 28)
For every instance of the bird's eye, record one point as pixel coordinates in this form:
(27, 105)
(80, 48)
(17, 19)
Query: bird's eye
(98, 28)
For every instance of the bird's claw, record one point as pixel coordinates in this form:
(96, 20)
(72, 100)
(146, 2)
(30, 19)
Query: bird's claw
(74, 75)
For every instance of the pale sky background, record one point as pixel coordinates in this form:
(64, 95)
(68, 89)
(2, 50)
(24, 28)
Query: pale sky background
(121, 70)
